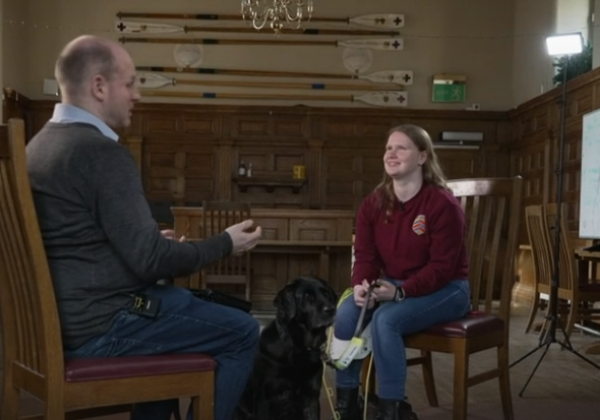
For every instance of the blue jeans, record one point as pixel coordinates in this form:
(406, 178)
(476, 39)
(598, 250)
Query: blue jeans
(185, 324)
(391, 321)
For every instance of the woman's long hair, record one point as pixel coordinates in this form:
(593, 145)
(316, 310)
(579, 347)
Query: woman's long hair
(432, 172)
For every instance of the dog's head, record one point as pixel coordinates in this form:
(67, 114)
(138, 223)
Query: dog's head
(307, 300)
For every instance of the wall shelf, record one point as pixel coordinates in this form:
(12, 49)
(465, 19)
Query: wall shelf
(269, 184)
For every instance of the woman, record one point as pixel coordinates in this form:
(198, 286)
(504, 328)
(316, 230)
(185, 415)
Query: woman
(409, 240)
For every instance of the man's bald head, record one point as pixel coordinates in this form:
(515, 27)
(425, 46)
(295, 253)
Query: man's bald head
(98, 76)
(83, 58)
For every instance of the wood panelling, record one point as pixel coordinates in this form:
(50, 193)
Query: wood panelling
(162, 125)
(191, 153)
(460, 163)
(535, 144)
(15, 105)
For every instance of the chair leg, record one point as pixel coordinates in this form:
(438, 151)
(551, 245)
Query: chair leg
(428, 378)
(504, 383)
(55, 409)
(461, 373)
(196, 406)
(10, 400)
(535, 306)
(204, 407)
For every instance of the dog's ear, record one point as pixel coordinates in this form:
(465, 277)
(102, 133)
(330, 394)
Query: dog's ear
(285, 302)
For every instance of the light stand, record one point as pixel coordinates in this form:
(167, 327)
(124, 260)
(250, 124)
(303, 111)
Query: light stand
(557, 45)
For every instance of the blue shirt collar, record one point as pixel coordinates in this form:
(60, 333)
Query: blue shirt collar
(66, 113)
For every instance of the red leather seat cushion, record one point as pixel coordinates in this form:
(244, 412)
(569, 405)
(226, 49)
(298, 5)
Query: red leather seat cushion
(98, 368)
(474, 323)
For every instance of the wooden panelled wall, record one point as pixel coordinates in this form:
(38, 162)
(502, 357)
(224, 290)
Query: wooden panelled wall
(190, 153)
(535, 128)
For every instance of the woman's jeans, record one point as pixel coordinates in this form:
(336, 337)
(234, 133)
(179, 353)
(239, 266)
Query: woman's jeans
(185, 324)
(390, 322)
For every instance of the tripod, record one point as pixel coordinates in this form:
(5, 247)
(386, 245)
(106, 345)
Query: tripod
(552, 321)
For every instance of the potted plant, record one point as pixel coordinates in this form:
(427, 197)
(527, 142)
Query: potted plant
(575, 65)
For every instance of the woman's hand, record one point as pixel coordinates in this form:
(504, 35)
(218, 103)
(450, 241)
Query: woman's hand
(360, 294)
(386, 291)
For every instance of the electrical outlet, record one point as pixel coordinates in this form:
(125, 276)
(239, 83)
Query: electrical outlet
(50, 87)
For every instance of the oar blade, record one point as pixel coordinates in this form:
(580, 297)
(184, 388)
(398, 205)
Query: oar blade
(153, 80)
(386, 44)
(388, 20)
(399, 77)
(130, 27)
(390, 99)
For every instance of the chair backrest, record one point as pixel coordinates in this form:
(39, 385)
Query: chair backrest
(30, 324)
(568, 276)
(540, 244)
(492, 207)
(216, 217)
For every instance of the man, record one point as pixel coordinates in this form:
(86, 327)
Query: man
(105, 250)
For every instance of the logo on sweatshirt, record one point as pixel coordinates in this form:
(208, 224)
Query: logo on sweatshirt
(419, 225)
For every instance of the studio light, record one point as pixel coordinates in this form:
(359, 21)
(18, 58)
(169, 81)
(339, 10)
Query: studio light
(565, 44)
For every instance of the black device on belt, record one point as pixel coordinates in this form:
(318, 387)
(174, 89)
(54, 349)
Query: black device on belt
(144, 305)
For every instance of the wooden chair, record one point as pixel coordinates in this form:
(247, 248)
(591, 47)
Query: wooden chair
(542, 259)
(579, 292)
(32, 346)
(492, 207)
(233, 270)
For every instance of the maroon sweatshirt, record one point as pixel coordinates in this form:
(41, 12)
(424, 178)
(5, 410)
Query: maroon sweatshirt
(423, 242)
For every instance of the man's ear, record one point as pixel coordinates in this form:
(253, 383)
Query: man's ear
(99, 87)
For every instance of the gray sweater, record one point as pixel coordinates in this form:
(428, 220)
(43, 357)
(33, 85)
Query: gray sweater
(100, 238)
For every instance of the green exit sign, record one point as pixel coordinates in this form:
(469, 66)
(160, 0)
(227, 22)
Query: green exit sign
(449, 88)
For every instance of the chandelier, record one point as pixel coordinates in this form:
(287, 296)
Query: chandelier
(278, 13)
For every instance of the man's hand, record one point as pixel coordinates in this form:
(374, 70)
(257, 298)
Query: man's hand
(241, 236)
(360, 293)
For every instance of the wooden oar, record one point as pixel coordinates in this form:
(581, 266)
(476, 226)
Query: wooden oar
(391, 99)
(154, 80)
(383, 20)
(160, 28)
(388, 44)
(399, 77)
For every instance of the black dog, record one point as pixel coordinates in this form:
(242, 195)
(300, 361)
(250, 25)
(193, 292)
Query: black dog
(286, 380)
